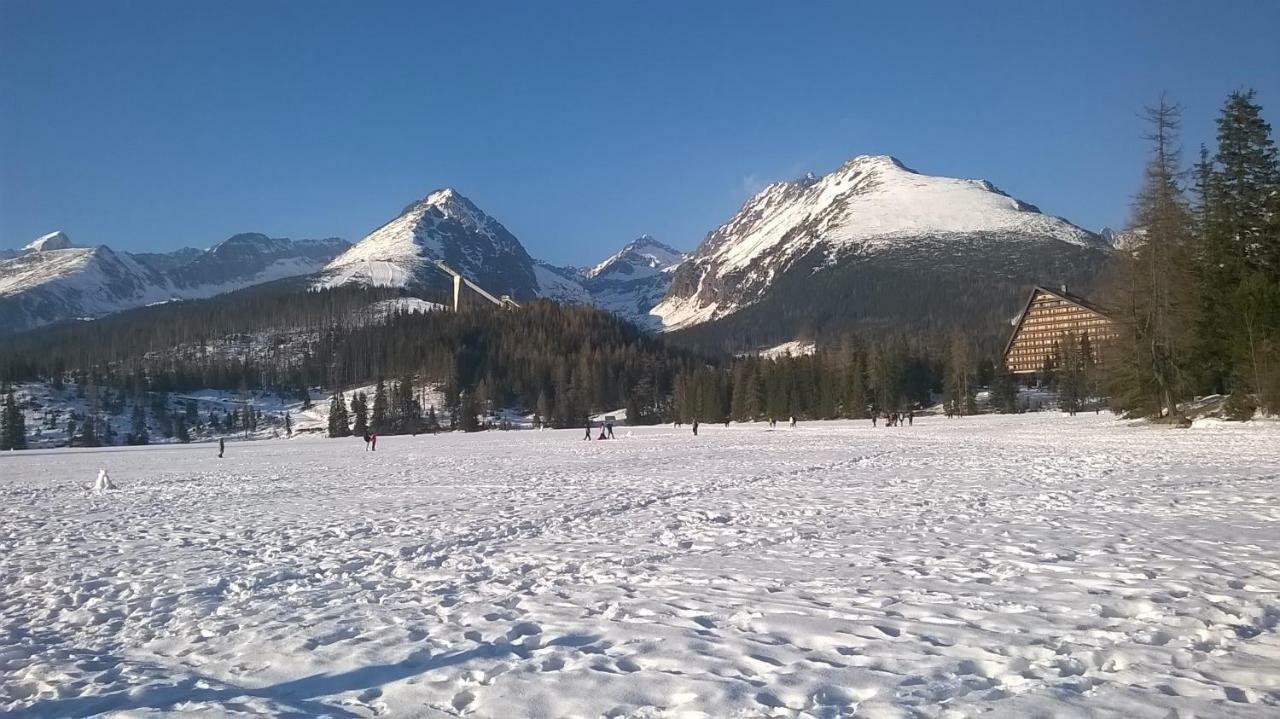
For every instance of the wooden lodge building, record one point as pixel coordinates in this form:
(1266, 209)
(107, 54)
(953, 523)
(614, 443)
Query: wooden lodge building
(1047, 317)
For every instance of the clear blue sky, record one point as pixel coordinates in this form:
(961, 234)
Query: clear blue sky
(156, 125)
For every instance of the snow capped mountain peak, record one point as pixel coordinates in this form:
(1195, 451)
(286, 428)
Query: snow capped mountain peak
(448, 202)
(637, 256)
(446, 196)
(634, 279)
(57, 240)
(871, 204)
(444, 225)
(873, 163)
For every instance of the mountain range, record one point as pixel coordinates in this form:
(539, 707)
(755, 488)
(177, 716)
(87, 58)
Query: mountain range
(872, 244)
(52, 279)
(447, 227)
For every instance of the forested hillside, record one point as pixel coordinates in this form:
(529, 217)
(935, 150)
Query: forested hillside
(558, 360)
(924, 290)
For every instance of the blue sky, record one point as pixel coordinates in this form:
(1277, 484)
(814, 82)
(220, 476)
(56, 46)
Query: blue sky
(157, 125)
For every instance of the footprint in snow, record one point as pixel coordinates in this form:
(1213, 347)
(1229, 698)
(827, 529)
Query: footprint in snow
(523, 629)
(462, 700)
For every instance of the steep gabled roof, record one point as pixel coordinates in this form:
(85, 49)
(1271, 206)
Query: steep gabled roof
(1074, 299)
(1060, 294)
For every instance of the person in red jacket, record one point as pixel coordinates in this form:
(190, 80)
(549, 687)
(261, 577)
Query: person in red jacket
(373, 442)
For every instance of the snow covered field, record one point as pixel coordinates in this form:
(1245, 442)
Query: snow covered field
(1032, 565)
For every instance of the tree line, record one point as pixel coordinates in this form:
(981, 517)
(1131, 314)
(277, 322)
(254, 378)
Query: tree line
(1197, 296)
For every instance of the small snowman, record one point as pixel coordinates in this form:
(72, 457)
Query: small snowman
(104, 482)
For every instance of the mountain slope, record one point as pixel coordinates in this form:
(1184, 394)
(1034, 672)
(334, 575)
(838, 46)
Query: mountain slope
(38, 287)
(442, 226)
(168, 261)
(250, 259)
(51, 279)
(872, 215)
(562, 284)
(634, 279)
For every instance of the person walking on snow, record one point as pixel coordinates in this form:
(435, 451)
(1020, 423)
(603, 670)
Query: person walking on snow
(222, 446)
(695, 428)
(609, 427)
(911, 417)
(587, 436)
(373, 442)
(793, 421)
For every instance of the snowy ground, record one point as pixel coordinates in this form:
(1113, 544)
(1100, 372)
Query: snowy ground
(1032, 565)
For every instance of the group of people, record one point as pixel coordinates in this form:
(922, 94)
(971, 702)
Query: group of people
(894, 419)
(370, 442)
(773, 424)
(606, 431)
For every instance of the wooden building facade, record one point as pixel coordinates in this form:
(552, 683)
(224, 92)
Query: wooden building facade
(1047, 317)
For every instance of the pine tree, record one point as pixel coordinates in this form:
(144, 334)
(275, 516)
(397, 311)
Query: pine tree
(469, 411)
(17, 424)
(680, 399)
(138, 425)
(378, 422)
(160, 412)
(543, 411)
(743, 379)
(13, 430)
(359, 414)
(407, 411)
(91, 436)
(1248, 173)
(1071, 375)
(856, 388)
(1004, 391)
(755, 393)
(1239, 252)
(1257, 339)
(985, 373)
(1152, 287)
(338, 423)
(959, 389)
